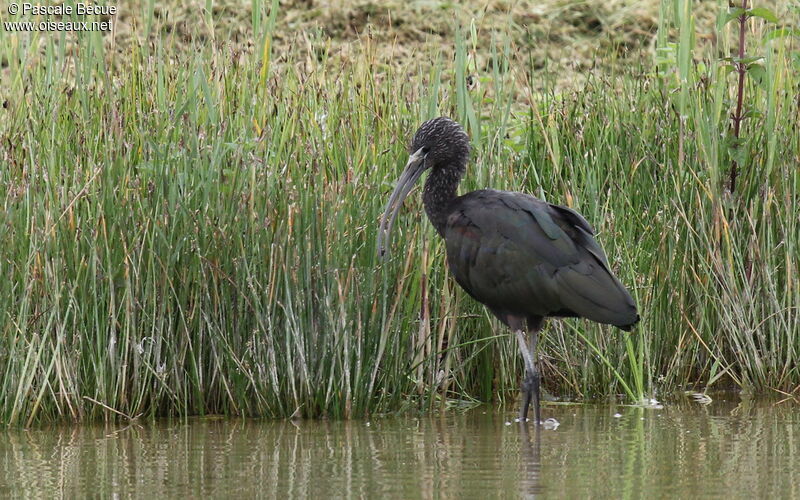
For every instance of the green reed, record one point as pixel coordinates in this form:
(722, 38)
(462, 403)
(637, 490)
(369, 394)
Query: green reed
(193, 231)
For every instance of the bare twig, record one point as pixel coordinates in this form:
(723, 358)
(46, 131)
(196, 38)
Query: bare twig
(131, 419)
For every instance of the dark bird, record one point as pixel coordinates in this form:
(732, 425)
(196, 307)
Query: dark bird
(521, 257)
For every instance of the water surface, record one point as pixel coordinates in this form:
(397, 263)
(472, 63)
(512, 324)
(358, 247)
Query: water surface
(724, 449)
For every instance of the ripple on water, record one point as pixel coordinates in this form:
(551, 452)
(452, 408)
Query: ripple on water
(679, 450)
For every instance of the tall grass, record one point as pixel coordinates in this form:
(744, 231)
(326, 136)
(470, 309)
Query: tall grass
(740, 252)
(192, 232)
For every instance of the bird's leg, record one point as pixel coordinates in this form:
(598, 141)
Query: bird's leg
(534, 378)
(530, 384)
(527, 382)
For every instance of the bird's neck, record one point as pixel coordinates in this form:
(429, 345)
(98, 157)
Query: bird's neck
(440, 191)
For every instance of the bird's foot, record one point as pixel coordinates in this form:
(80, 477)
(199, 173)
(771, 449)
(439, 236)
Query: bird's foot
(530, 391)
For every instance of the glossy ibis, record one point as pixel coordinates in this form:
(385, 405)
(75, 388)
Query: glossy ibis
(521, 257)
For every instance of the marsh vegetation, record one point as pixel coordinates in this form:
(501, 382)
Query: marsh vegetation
(189, 210)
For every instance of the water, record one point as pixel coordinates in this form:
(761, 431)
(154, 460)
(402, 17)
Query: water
(724, 449)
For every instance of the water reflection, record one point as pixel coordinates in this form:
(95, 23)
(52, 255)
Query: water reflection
(686, 449)
(530, 460)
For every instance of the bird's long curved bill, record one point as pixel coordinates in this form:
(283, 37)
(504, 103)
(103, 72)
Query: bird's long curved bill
(412, 172)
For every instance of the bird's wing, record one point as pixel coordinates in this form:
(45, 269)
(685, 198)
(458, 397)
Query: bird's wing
(520, 255)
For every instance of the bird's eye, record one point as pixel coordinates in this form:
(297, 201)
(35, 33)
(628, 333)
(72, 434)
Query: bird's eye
(425, 150)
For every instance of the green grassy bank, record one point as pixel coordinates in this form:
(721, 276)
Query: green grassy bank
(193, 231)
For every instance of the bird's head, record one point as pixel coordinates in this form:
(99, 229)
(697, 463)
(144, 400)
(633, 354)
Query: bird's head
(438, 143)
(442, 141)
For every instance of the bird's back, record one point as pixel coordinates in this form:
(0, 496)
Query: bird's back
(519, 255)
